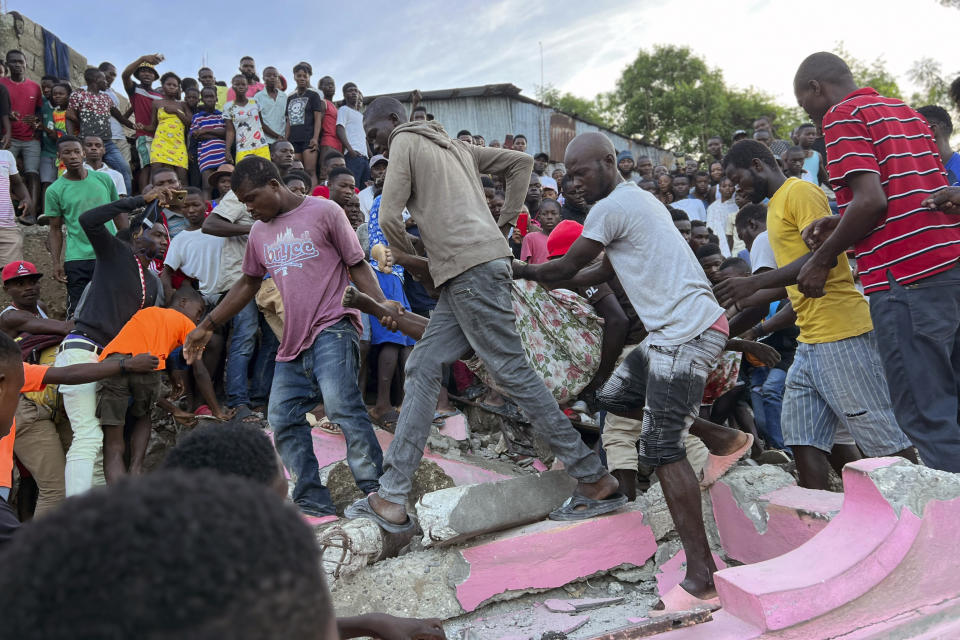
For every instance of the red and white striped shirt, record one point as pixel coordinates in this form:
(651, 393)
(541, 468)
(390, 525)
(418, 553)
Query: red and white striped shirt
(868, 132)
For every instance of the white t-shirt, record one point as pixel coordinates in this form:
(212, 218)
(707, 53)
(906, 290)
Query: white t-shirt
(366, 198)
(761, 253)
(116, 129)
(717, 214)
(114, 175)
(197, 254)
(352, 122)
(234, 247)
(8, 167)
(658, 271)
(693, 208)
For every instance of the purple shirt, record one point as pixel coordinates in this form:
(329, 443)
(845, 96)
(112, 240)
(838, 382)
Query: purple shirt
(307, 252)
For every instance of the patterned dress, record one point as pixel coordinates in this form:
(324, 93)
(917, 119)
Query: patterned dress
(169, 145)
(561, 336)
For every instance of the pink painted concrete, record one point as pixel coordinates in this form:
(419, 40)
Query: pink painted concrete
(330, 448)
(673, 571)
(788, 526)
(546, 555)
(455, 427)
(315, 521)
(860, 548)
(807, 500)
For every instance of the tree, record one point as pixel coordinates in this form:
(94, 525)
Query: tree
(870, 75)
(926, 72)
(591, 110)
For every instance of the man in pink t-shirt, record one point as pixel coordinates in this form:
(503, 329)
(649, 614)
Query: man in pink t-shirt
(25, 102)
(310, 250)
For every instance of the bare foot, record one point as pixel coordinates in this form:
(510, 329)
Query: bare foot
(699, 588)
(351, 295)
(389, 511)
(733, 445)
(602, 488)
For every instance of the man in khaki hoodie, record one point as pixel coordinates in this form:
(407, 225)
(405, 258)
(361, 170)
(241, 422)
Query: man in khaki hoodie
(438, 180)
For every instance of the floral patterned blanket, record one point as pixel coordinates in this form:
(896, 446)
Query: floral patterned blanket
(561, 336)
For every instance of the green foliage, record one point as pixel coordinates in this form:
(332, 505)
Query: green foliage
(591, 110)
(873, 75)
(934, 89)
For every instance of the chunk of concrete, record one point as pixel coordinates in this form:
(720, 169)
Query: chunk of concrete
(881, 556)
(761, 513)
(456, 514)
(547, 555)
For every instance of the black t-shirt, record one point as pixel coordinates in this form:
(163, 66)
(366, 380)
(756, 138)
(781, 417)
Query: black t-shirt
(116, 291)
(568, 212)
(636, 332)
(300, 114)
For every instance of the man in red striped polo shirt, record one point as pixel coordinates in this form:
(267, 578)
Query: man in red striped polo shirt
(883, 163)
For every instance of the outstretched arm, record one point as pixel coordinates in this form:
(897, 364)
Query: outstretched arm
(93, 371)
(236, 299)
(580, 255)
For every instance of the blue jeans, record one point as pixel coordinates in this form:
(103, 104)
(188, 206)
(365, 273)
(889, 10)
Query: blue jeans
(360, 168)
(325, 370)
(766, 392)
(114, 160)
(245, 328)
(918, 336)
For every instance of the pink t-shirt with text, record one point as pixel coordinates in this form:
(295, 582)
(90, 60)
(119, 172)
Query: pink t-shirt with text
(307, 252)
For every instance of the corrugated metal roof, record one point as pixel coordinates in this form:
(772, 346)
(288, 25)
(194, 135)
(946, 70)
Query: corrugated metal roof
(497, 110)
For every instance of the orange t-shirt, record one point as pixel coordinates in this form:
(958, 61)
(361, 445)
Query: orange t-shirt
(32, 381)
(153, 330)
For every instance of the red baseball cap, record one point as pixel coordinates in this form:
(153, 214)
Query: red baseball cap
(18, 269)
(562, 238)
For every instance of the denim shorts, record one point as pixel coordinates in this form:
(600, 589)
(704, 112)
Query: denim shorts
(840, 384)
(667, 382)
(48, 169)
(30, 150)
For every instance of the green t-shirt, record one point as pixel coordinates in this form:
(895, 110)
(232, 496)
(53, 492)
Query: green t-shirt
(47, 147)
(69, 198)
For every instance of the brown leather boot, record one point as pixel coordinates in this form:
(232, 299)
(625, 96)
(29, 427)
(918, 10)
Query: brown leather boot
(628, 482)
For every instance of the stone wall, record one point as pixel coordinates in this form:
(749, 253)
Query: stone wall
(19, 32)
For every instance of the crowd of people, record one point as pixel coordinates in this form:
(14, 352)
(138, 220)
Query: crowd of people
(285, 258)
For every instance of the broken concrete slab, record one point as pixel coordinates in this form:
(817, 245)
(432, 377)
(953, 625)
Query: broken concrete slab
(459, 513)
(646, 628)
(427, 478)
(350, 545)
(455, 427)
(550, 554)
(558, 605)
(760, 513)
(881, 556)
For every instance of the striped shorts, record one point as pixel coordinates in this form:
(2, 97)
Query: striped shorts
(839, 384)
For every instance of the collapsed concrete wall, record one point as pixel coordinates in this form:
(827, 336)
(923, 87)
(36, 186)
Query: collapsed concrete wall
(19, 32)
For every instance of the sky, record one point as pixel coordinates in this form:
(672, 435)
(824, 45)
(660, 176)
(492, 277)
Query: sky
(433, 44)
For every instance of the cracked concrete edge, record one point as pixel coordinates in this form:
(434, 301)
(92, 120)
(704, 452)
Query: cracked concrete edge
(749, 484)
(904, 484)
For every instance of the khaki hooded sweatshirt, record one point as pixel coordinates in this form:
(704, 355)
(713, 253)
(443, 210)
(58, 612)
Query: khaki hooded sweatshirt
(438, 180)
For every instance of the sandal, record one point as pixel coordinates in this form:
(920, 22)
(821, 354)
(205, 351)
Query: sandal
(719, 465)
(329, 427)
(245, 416)
(580, 507)
(679, 600)
(362, 509)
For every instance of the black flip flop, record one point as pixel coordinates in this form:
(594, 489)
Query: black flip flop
(569, 510)
(362, 509)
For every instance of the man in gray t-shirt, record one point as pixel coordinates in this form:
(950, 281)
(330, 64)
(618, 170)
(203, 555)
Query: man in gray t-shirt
(661, 382)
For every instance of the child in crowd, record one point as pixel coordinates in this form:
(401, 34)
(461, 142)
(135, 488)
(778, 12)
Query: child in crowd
(328, 128)
(684, 201)
(699, 234)
(665, 188)
(170, 119)
(682, 222)
(351, 133)
(534, 246)
(304, 119)
(208, 130)
(11, 238)
(93, 158)
(812, 161)
(242, 117)
(157, 331)
(719, 212)
(297, 182)
(273, 106)
(794, 164)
